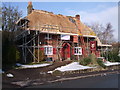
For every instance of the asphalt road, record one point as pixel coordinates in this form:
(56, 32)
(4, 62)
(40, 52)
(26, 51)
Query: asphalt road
(105, 81)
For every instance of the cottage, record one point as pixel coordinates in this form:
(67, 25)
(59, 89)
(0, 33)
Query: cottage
(44, 35)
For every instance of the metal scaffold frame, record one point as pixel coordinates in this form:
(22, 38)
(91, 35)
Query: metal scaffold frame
(35, 39)
(28, 48)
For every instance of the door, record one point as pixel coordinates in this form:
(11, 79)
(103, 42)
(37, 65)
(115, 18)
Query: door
(66, 51)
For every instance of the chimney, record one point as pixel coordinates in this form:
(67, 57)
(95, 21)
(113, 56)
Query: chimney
(29, 7)
(77, 17)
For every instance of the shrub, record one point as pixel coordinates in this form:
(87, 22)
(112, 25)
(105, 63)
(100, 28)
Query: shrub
(112, 54)
(85, 61)
(10, 53)
(17, 55)
(100, 62)
(41, 55)
(93, 58)
(57, 72)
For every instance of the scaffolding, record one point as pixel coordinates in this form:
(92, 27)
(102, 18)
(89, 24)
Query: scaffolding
(30, 40)
(30, 37)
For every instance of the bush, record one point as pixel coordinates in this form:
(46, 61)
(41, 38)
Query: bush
(10, 53)
(112, 54)
(10, 56)
(100, 62)
(17, 55)
(93, 58)
(57, 72)
(41, 55)
(85, 61)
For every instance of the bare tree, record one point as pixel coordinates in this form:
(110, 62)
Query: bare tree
(108, 34)
(10, 53)
(105, 33)
(10, 15)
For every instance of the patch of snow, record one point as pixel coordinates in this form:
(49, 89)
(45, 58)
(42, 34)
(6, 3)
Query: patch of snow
(50, 72)
(18, 64)
(34, 66)
(42, 73)
(10, 75)
(107, 63)
(71, 67)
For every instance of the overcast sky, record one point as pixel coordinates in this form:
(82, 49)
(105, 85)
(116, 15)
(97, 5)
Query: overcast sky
(101, 12)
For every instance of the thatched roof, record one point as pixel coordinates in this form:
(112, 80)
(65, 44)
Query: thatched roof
(41, 19)
(49, 22)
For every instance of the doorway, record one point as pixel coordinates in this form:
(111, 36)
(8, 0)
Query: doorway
(66, 51)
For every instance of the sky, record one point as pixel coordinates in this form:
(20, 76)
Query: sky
(90, 12)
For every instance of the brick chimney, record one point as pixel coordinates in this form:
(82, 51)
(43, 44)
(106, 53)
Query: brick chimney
(29, 7)
(77, 17)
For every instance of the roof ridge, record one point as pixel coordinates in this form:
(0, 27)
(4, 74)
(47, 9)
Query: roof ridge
(43, 11)
(47, 12)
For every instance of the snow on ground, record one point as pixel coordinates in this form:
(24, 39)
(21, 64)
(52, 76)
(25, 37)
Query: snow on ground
(107, 63)
(70, 67)
(18, 64)
(32, 66)
(10, 75)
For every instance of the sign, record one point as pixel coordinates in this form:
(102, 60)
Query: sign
(93, 45)
(65, 37)
(75, 39)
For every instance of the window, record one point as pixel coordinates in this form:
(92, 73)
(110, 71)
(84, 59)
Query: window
(77, 51)
(48, 36)
(48, 50)
(72, 20)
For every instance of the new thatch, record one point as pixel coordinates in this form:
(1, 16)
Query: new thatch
(41, 20)
(49, 22)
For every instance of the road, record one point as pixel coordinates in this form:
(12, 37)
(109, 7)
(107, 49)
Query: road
(106, 81)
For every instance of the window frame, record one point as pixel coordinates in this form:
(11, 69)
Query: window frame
(77, 50)
(48, 50)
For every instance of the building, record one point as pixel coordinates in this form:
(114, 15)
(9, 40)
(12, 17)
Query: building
(59, 37)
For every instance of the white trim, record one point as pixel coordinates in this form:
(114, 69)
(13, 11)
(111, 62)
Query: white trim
(65, 33)
(89, 36)
(48, 50)
(105, 45)
(77, 50)
(65, 37)
(54, 32)
(59, 33)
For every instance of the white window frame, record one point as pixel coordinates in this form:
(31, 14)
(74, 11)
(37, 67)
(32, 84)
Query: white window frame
(77, 50)
(48, 50)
